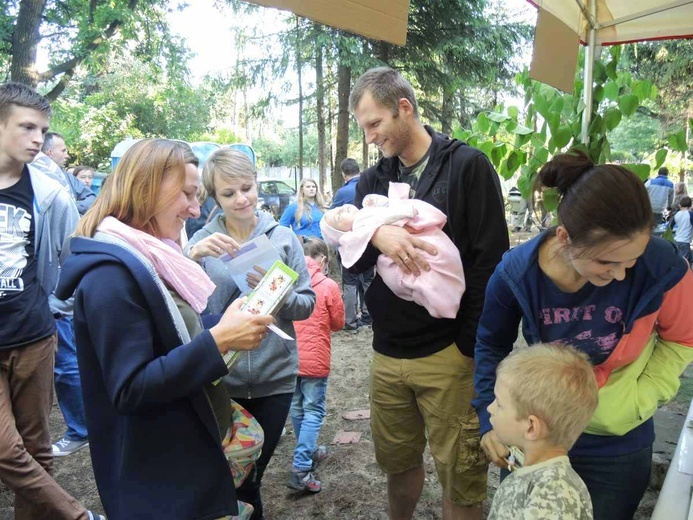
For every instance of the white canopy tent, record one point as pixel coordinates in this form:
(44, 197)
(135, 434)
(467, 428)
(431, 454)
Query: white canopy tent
(610, 22)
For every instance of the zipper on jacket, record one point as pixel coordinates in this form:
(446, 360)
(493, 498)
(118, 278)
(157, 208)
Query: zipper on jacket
(249, 375)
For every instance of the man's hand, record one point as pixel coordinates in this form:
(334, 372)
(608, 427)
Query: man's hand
(403, 248)
(495, 450)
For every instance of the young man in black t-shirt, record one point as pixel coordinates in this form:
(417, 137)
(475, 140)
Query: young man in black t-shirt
(36, 218)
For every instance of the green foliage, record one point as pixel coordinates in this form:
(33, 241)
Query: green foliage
(87, 33)
(552, 123)
(282, 149)
(134, 99)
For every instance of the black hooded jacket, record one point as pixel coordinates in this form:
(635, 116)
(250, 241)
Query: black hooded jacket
(461, 182)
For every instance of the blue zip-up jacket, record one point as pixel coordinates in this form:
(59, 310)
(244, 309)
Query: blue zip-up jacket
(345, 194)
(309, 226)
(641, 372)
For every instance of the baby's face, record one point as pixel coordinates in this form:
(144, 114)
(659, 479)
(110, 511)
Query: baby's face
(341, 218)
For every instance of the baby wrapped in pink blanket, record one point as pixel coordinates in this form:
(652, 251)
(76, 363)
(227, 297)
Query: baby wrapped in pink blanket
(440, 289)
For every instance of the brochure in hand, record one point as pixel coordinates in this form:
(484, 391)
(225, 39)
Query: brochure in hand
(266, 299)
(258, 251)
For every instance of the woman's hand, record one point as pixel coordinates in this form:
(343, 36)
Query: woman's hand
(238, 330)
(495, 450)
(214, 245)
(253, 278)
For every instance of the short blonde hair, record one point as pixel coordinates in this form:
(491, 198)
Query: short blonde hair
(132, 194)
(554, 382)
(229, 164)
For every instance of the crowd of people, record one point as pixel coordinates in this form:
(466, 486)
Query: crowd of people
(107, 300)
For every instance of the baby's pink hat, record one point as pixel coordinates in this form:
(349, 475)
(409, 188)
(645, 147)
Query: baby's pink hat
(330, 234)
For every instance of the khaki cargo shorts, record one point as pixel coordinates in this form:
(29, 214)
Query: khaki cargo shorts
(415, 400)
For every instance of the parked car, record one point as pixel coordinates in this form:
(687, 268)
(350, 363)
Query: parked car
(274, 196)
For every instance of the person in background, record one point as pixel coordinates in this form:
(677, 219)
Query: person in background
(520, 215)
(421, 383)
(263, 382)
(680, 191)
(52, 160)
(599, 282)
(84, 174)
(304, 215)
(660, 190)
(683, 229)
(313, 338)
(544, 397)
(156, 416)
(354, 286)
(36, 219)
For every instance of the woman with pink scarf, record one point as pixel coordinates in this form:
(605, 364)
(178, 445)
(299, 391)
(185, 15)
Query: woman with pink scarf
(154, 415)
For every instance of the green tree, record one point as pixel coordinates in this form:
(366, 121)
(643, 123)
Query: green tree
(133, 99)
(76, 32)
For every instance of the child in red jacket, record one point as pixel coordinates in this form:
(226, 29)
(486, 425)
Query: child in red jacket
(313, 337)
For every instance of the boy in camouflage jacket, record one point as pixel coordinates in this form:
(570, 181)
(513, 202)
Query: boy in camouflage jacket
(545, 396)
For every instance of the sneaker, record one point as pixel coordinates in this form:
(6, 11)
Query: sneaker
(320, 454)
(95, 516)
(351, 329)
(304, 481)
(65, 447)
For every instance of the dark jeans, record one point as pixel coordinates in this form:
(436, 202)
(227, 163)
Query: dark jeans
(354, 286)
(68, 387)
(616, 484)
(271, 412)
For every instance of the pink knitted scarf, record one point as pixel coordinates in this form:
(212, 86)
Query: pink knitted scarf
(181, 274)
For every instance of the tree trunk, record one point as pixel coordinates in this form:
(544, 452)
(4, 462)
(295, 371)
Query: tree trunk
(342, 147)
(320, 107)
(25, 40)
(300, 101)
(447, 112)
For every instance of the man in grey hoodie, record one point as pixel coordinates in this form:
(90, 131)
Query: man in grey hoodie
(36, 219)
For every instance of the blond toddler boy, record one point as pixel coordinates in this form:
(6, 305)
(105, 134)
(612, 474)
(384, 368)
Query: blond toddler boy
(545, 396)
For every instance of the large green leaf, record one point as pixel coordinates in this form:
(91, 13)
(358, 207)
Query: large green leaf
(522, 130)
(599, 72)
(553, 120)
(513, 111)
(628, 104)
(677, 141)
(596, 125)
(497, 153)
(612, 118)
(542, 155)
(611, 91)
(486, 147)
(641, 170)
(660, 157)
(497, 117)
(562, 136)
(513, 162)
(483, 123)
(598, 93)
(551, 198)
(611, 69)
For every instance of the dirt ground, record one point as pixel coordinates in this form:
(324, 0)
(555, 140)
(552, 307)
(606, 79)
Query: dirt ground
(353, 486)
